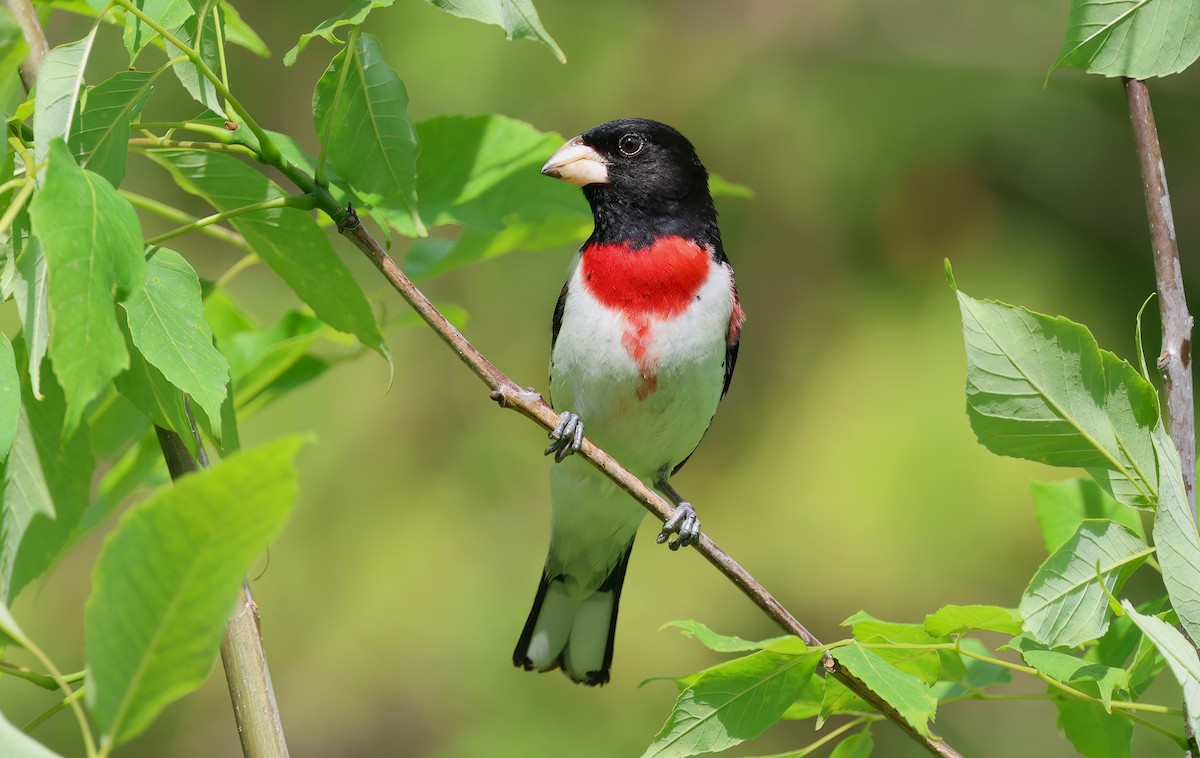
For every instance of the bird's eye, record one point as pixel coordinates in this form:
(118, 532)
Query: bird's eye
(630, 144)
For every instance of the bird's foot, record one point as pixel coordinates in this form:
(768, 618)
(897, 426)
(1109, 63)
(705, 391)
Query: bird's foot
(567, 436)
(683, 522)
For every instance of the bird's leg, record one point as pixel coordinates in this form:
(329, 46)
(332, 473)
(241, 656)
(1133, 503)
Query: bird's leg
(567, 436)
(683, 522)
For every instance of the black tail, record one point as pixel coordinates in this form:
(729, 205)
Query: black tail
(561, 631)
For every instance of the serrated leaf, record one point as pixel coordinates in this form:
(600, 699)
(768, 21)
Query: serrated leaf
(150, 642)
(58, 86)
(924, 664)
(1175, 537)
(1180, 654)
(170, 14)
(906, 693)
(732, 703)
(355, 13)
(360, 109)
(100, 136)
(1139, 39)
(93, 246)
(16, 744)
(1040, 388)
(166, 320)
(1062, 506)
(959, 619)
(518, 19)
(287, 239)
(1070, 669)
(971, 674)
(1093, 732)
(1065, 604)
(31, 291)
(46, 482)
(199, 31)
(717, 642)
(10, 396)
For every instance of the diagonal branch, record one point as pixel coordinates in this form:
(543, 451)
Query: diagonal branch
(531, 405)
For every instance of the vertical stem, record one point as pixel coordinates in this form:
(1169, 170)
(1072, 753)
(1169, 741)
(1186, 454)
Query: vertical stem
(242, 654)
(31, 29)
(1175, 361)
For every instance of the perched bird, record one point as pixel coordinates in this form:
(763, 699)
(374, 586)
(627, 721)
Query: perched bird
(645, 335)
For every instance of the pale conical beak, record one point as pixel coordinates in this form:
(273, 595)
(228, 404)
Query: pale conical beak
(578, 164)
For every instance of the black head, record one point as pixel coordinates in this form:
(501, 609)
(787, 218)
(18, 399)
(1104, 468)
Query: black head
(640, 177)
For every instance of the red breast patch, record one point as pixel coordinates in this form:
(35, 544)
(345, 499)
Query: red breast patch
(656, 281)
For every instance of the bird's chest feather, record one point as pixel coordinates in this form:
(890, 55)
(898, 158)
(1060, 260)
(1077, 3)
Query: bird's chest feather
(642, 327)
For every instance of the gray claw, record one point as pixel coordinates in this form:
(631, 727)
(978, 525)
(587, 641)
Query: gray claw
(683, 522)
(567, 436)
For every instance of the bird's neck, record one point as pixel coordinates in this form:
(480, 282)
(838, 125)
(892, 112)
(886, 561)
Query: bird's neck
(638, 222)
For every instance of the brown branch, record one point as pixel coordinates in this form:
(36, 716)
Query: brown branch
(31, 29)
(1175, 361)
(531, 405)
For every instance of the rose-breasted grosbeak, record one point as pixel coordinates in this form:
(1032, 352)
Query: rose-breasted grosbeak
(645, 335)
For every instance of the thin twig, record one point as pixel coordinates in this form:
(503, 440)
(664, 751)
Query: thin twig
(531, 405)
(31, 29)
(1175, 361)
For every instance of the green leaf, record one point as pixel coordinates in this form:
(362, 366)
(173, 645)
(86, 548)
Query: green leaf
(287, 239)
(58, 87)
(836, 699)
(924, 664)
(10, 396)
(518, 19)
(718, 642)
(857, 745)
(733, 702)
(1070, 669)
(719, 186)
(360, 109)
(238, 32)
(16, 744)
(1065, 605)
(906, 693)
(153, 395)
(93, 246)
(166, 320)
(1094, 732)
(170, 14)
(971, 674)
(32, 295)
(1062, 506)
(959, 619)
(151, 642)
(12, 51)
(355, 13)
(1180, 655)
(141, 467)
(1135, 38)
(99, 139)
(200, 32)
(1040, 388)
(808, 701)
(46, 482)
(1175, 537)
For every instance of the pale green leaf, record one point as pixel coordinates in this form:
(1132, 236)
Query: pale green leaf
(1139, 39)
(170, 14)
(199, 31)
(100, 136)
(1070, 669)
(16, 744)
(1062, 506)
(959, 619)
(1094, 732)
(1175, 537)
(1180, 654)
(518, 18)
(1065, 603)
(58, 86)
(238, 32)
(10, 396)
(93, 246)
(360, 109)
(166, 320)
(857, 745)
(733, 702)
(718, 642)
(355, 13)
(152, 394)
(1040, 388)
(924, 664)
(906, 693)
(149, 642)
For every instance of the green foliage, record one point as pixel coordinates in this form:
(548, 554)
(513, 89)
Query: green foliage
(1133, 38)
(518, 19)
(100, 134)
(1063, 505)
(959, 619)
(361, 110)
(58, 91)
(14, 743)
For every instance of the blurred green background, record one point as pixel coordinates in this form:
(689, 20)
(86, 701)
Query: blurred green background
(879, 138)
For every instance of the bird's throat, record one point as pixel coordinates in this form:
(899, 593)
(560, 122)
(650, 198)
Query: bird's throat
(658, 280)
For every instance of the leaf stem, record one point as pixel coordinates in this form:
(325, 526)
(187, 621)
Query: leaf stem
(29, 675)
(52, 710)
(292, 201)
(174, 214)
(144, 143)
(818, 744)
